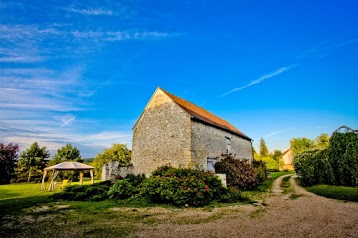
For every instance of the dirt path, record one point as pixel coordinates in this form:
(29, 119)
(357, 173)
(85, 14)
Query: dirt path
(308, 215)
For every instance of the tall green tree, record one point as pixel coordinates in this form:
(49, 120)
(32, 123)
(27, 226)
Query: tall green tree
(263, 148)
(8, 157)
(32, 161)
(276, 154)
(118, 152)
(322, 141)
(256, 155)
(66, 153)
(301, 144)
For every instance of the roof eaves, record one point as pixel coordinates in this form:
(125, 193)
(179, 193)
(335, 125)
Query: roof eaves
(221, 128)
(285, 152)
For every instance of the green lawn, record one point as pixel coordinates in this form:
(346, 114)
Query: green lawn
(25, 211)
(15, 197)
(275, 175)
(10, 191)
(336, 192)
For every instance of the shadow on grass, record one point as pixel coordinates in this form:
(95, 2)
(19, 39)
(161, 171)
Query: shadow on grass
(8, 193)
(15, 205)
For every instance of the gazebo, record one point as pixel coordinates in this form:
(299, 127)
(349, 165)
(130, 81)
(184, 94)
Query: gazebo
(65, 166)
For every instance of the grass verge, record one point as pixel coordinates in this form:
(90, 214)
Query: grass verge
(275, 175)
(286, 185)
(335, 192)
(288, 189)
(26, 211)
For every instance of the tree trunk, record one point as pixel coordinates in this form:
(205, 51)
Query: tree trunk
(28, 178)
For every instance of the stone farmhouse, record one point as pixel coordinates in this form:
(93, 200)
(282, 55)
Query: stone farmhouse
(174, 131)
(286, 160)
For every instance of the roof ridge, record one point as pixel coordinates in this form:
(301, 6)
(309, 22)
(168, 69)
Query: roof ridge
(204, 115)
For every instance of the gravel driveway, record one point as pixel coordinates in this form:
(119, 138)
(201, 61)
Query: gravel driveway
(308, 215)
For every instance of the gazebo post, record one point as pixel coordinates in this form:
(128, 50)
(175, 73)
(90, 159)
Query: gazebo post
(91, 172)
(52, 185)
(43, 187)
(81, 177)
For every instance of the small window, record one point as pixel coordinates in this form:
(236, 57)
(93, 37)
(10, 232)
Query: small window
(228, 144)
(211, 164)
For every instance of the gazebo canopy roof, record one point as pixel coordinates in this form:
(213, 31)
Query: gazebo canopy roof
(69, 166)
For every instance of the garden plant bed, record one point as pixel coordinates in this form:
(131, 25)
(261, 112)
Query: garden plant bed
(275, 214)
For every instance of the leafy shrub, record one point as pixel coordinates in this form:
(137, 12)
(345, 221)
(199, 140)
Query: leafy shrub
(126, 187)
(94, 192)
(271, 164)
(122, 189)
(239, 173)
(182, 186)
(335, 165)
(343, 153)
(135, 179)
(304, 166)
(260, 170)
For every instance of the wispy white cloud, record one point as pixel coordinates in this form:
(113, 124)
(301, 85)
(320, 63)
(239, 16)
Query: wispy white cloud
(44, 89)
(31, 43)
(40, 92)
(325, 48)
(46, 132)
(11, 32)
(343, 43)
(261, 79)
(277, 132)
(25, 43)
(22, 59)
(123, 9)
(122, 35)
(25, 71)
(107, 138)
(10, 4)
(91, 11)
(68, 121)
(273, 133)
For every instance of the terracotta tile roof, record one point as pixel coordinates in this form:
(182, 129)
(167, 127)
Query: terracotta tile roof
(204, 116)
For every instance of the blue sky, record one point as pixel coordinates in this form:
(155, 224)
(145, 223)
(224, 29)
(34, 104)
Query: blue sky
(81, 72)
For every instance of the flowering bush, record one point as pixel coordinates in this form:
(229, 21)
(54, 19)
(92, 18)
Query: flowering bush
(182, 186)
(239, 173)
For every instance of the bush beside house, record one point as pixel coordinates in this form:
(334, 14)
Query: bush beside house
(176, 186)
(182, 186)
(239, 173)
(335, 165)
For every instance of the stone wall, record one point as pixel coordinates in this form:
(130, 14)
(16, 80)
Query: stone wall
(210, 142)
(161, 136)
(111, 171)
